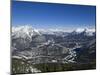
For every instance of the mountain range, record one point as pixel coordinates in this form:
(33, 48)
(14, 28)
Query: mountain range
(47, 46)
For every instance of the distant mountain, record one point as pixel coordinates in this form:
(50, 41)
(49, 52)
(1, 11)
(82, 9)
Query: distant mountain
(22, 36)
(86, 31)
(29, 31)
(24, 32)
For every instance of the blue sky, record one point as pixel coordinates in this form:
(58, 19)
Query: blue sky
(46, 15)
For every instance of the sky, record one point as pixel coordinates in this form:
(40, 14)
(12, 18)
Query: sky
(51, 15)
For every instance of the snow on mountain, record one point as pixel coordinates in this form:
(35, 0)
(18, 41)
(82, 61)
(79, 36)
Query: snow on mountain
(24, 31)
(88, 32)
(29, 31)
(22, 37)
(79, 30)
(85, 29)
(28, 42)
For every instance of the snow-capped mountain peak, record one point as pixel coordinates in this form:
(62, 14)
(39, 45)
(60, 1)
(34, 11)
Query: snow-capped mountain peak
(24, 31)
(88, 32)
(79, 30)
(85, 29)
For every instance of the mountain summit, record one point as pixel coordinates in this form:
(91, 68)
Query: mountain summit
(24, 31)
